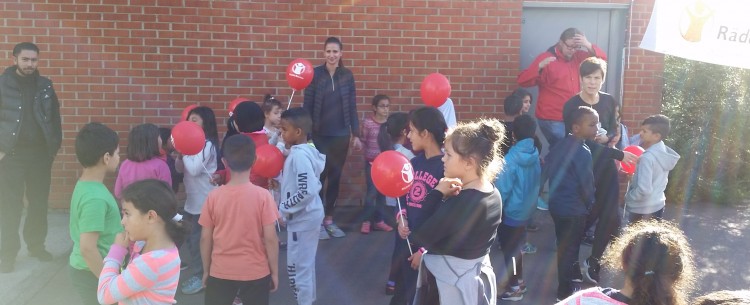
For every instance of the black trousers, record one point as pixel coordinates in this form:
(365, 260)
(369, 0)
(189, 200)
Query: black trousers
(24, 173)
(405, 276)
(336, 148)
(222, 292)
(511, 241)
(568, 230)
(606, 210)
(635, 217)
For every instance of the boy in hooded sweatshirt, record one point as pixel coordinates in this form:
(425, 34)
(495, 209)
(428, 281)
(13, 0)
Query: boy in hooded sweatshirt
(645, 196)
(519, 187)
(300, 203)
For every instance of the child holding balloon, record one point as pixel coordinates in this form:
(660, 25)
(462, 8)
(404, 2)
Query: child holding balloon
(272, 111)
(151, 232)
(248, 119)
(198, 169)
(392, 136)
(426, 133)
(461, 231)
(300, 202)
(645, 198)
(143, 160)
(372, 213)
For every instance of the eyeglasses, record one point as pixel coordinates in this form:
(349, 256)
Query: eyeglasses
(384, 106)
(571, 48)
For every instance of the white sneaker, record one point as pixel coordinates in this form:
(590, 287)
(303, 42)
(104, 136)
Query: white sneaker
(334, 230)
(323, 233)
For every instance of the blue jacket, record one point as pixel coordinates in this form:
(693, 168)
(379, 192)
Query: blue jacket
(571, 178)
(519, 182)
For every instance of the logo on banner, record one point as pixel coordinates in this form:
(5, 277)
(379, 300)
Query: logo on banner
(693, 20)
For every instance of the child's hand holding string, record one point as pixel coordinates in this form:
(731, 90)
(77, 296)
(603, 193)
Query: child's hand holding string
(403, 229)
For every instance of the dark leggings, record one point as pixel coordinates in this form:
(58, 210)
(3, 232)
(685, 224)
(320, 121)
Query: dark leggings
(511, 241)
(336, 149)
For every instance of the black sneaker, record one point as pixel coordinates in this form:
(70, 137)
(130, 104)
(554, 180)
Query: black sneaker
(7, 266)
(592, 271)
(41, 255)
(577, 276)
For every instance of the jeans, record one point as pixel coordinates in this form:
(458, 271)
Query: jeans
(24, 173)
(193, 243)
(374, 205)
(336, 149)
(553, 131)
(568, 230)
(222, 292)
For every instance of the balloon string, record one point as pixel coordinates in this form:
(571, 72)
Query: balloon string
(290, 99)
(408, 244)
(210, 177)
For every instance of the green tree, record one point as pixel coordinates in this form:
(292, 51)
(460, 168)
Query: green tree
(709, 106)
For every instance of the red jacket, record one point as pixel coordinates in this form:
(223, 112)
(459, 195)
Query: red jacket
(558, 81)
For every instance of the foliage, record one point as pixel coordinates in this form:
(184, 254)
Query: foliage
(709, 106)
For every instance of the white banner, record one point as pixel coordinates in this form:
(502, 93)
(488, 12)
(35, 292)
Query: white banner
(713, 31)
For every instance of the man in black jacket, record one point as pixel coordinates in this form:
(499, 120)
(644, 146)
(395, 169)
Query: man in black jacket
(30, 136)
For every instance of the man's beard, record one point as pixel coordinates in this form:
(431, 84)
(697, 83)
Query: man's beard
(26, 71)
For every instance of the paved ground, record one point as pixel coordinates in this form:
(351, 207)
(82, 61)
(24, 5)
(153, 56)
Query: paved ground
(353, 270)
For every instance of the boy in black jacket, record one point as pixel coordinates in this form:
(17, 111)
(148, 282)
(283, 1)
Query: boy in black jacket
(571, 189)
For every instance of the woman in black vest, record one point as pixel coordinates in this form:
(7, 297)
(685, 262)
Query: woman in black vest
(331, 101)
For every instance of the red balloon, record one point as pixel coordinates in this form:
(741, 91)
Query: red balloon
(233, 104)
(186, 112)
(627, 167)
(299, 74)
(392, 173)
(435, 89)
(188, 138)
(268, 161)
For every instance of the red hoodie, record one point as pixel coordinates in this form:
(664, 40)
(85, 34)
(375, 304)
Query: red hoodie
(558, 81)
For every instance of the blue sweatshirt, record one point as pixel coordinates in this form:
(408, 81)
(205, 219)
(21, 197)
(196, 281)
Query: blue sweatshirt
(427, 174)
(568, 166)
(519, 182)
(300, 185)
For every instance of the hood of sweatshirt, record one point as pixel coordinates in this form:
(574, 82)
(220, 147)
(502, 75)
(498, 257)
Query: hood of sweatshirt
(665, 157)
(526, 153)
(318, 160)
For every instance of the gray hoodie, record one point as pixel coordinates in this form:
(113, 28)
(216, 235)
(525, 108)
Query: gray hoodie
(300, 185)
(645, 194)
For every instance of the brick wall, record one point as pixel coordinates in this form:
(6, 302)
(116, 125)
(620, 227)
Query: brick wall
(126, 63)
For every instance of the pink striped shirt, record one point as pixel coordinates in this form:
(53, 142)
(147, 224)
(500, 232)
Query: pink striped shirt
(370, 131)
(149, 279)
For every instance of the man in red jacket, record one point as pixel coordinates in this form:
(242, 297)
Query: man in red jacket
(556, 73)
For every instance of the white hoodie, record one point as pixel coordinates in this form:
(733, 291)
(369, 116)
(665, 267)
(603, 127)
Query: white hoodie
(645, 194)
(300, 185)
